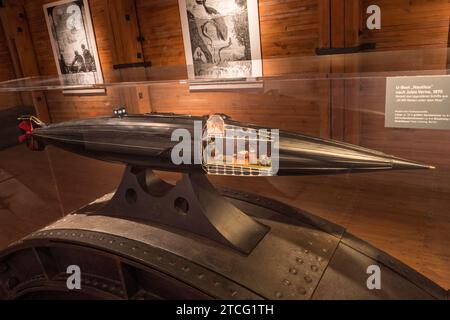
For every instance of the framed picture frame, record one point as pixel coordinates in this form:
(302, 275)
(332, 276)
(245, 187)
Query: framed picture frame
(74, 46)
(222, 43)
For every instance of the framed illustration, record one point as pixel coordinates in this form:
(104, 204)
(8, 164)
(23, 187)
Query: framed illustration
(73, 42)
(221, 39)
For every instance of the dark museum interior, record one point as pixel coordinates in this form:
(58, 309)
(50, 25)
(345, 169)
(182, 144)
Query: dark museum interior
(319, 71)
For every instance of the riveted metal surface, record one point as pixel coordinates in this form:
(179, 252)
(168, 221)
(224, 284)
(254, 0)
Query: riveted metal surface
(38, 286)
(302, 257)
(278, 208)
(96, 282)
(21, 268)
(394, 264)
(166, 262)
(25, 275)
(346, 278)
(287, 264)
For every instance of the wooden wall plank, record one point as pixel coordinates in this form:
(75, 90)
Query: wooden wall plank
(7, 72)
(162, 32)
(337, 94)
(409, 24)
(448, 45)
(338, 23)
(127, 49)
(352, 26)
(125, 31)
(17, 29)
(280, 104)
(345, 24)
(324, 11)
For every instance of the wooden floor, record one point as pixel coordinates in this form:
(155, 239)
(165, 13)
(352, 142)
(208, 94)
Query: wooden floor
(37, 188)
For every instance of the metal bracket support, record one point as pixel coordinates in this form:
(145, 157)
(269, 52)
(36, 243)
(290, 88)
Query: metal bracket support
(193, 205)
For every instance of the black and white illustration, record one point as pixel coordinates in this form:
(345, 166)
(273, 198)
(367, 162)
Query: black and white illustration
(221, 38)
(73, 41)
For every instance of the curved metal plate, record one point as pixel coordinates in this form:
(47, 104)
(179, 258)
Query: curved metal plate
(297, 259)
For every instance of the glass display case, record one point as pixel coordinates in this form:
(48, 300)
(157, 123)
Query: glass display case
(398, 219)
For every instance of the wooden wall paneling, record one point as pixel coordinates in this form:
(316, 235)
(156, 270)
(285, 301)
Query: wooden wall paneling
(143, 98)
(352, 120)
(161, 28)
(21, 37)
(324, 41)
(7, 72)
(345, 27)
(337, 96)
(22, 53)
(325, 111)
(352, 112)
(135, 98)
(324, 11)
(352, 22)
(288, 105)
(127, 49)
(448, 45)
(23, 45)
(337, 25)
(288, 28)
(409, 24)
(125, 31)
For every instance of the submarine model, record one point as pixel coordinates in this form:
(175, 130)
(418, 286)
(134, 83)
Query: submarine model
(191, 240)
(216, 145)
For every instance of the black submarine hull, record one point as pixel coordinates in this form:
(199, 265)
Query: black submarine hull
(145, 141)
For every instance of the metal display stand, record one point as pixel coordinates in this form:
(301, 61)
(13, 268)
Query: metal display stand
(193, 204)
